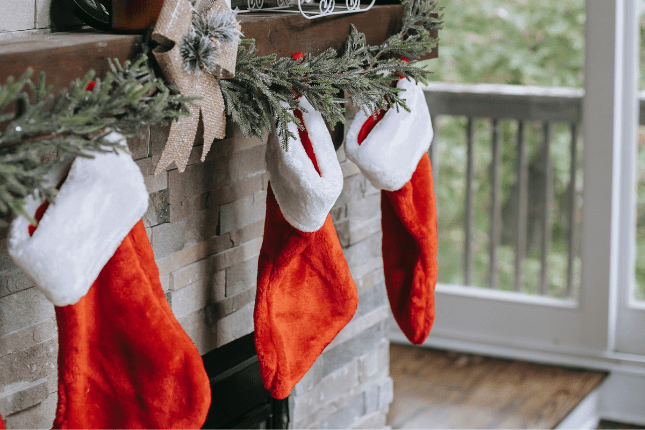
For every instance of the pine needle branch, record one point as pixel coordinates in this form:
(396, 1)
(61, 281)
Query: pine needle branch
(266, 87)
(74, 122)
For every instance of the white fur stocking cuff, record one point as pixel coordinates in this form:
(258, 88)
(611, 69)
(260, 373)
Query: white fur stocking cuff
(390, 153)
(305, 197)
(97, 205)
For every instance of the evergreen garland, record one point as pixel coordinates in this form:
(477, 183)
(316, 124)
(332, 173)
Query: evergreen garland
(266, 87)
(75, 122)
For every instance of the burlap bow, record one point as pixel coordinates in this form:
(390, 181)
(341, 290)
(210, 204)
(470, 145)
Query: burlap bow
(174, 21)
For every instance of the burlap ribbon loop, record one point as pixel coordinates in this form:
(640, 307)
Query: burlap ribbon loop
(174, 21)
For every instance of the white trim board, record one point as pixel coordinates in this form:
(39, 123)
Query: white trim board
(584, 416)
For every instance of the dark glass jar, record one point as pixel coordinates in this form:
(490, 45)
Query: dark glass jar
(134, 15)
(127, 16)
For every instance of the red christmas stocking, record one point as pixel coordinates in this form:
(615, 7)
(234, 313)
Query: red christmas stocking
(123, 359)
(305, 294)
(391, 151)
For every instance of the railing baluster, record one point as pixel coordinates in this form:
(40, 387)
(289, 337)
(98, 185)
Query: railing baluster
(572, 207)
(522, 203)
(546, 214)
(495, 215)
(468, 218)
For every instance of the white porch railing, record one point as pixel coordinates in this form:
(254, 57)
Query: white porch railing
(521, 104)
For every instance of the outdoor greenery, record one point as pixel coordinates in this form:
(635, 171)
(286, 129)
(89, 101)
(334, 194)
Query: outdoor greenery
(528, 42)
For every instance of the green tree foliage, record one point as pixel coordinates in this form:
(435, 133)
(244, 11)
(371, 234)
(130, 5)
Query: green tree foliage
(526, 42)
(523, 42)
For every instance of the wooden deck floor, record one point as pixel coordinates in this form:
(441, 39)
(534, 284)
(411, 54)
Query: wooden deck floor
(449, 390)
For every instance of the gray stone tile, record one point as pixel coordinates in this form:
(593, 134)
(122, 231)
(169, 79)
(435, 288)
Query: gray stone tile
(359, 231)
(239, 213)
(368, 365)
(158, 138)
(327, 397)
(39, 416)
(17, 15)
(241, 276)
(371, 399)
(23, 396)
(352, 190)
(360, 324)
(158, 211)
(216, 173)
(169, 238)
(189, 299)
(26, 337)
(156, 182)
(347, 416)
(338, 213)
(237, 190)
(13, 280)
(30, 364)
(189, 206)
(363, 251)
(203, 336)
(364, 208)
(362, 269)
(386, 393)
(342, 230)
(27, 307)
(371, 299)
(346, 352)
(235, 325)
(375, 420)
(215, 263)
(201, 250)
(311, 378)
(228, 305)
(139, 144)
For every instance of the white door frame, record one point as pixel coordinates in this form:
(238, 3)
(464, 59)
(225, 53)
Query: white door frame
(586, 332)
(630, 316)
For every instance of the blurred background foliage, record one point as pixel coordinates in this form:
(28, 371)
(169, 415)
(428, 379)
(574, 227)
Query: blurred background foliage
(520, 42)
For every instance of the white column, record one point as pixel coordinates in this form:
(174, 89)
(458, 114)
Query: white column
(609, 124)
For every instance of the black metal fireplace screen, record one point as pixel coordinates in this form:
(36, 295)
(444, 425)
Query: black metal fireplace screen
(239, 400)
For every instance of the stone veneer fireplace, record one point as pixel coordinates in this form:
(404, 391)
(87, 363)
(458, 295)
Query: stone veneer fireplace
(206, 228)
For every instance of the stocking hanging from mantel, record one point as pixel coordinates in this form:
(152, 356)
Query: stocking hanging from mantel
(391, 151)
(305, 294)
(123, 359)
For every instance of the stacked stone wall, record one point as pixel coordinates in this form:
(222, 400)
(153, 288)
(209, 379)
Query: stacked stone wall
(206, 227)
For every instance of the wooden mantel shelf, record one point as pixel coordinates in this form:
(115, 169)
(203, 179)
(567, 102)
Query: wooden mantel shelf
(66, 56)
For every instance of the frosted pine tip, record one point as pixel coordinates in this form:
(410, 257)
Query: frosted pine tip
(90, 86)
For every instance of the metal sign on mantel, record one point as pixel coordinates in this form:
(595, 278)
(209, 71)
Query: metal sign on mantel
(307, 8)
(135, 16)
